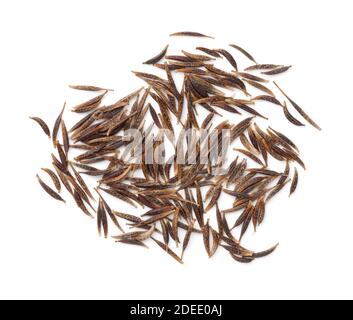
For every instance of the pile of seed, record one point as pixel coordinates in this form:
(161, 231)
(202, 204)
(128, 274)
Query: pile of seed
(172, 192)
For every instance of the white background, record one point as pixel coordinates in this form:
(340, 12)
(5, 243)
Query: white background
(49, 250)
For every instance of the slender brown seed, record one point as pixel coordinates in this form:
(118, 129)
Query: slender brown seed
(190, 34)
(80, 204)
(261, 210)
(187, 238)
(276, 189)
(243, 215)
(211, 52)
(136, 235)
(54, 178)
(245, 53)
(158, 57)
(249, 76)
(277, 70)
(110, 213)
(90, 104)
(259, 86)
(133, 242)
(57, 125)
(229, 57)
(284, 138)
(215, 196)
(206, 237)
(251, 156)
(268, 99)
(128, 217)
(42, 124)
(299, 109)
(49, 190)
(88, 88)
(246, 223)
(102, 220)
(289, 116)
(82, 182)
(65, 136)
(294, 184)
(197, 57)
(263, 67)
(168, 250)
(266, 252)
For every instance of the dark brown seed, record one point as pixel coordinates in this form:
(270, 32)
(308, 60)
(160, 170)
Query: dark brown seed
(48, 190)
(261, 210)
(259, 86)
(42, 124)
(246, 223)
(62, 155)
(187, 238)
(249, 76)
(268, 99)
(299, 109)
(215, 242)
(266, 252)
(290, 117)
(206, 237)
(102, 219)
(285, 174)
(90, 104)
(245, 53)
(215, 196)
(284, 138)
(211, 52)
(57, 125)
(168, 250)
(110, 213)
(276, 189)
(133, 242)
(251, 156)
(128, 217)
(54, 178)
(82, 183)
(158, 57)
(190, 34)
(263, 67)
(80, 204)
(136, 235)
(294, 184)
(197, 57)
(277, 70)
(88, 88)
(65, 136)
(63, 178)
(229, 57)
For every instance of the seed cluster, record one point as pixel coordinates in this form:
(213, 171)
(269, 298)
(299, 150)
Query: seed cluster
(171, 190)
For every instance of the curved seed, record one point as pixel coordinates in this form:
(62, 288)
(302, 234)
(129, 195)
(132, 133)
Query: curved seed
(42, 124)
(158, 57)
(49, 190)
